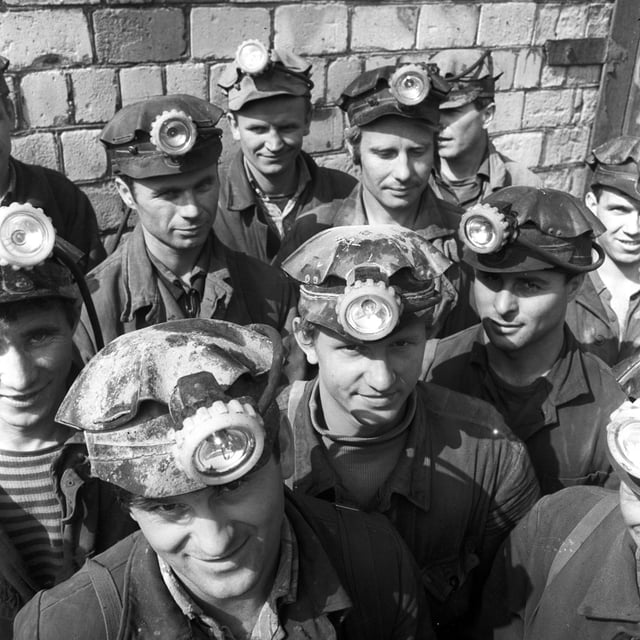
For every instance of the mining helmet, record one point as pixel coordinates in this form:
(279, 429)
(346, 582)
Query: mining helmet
(623, 441)
(363, 281)
(212, 385)
(163, 135)
(616, 164)
(408, 90)
(470, 83)
(28, 268)
(4, 87)
(524, 228)
(257, 73)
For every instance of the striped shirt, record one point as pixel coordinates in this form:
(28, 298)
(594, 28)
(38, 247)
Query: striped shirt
(30, 511)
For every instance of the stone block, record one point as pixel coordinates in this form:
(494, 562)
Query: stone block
(580, 76)
(506, 24)
(548, 108)
(216, 95)
(390, 28)
(36, 148)
(107, 204)
(216, 32)
(311, 29)
(599, 20)
(375, 61)
(139, 83)
(553, 76)
(327, 131)
(570, 179)
(545, 25)
(58, 37)
(586, 104)
(525, 147)
(139, 35)
(45, 99)
(564, 145)
(509, 106)
(83, 155)
(94, 94)
(455, 61)
(339, 74)
(528, 69)
(504, 62)
(340, 161)
(188, 78)
(447, 25)
(319, 77)
(572, 21)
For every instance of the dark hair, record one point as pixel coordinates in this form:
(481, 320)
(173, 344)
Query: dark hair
(308, 329)
(10, 311)
(482, 103)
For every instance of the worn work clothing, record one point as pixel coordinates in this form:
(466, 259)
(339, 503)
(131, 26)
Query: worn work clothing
(334, 600)
(460, 485)
(92, 521)
(128, 294)
(593, 597)
(495, 172)
(566, 434)
(68, 207)
(243, 225)
(596, 326)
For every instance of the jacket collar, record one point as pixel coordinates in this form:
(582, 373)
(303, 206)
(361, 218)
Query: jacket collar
(590, 297)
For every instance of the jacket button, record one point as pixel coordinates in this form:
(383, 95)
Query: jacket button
(599, 339)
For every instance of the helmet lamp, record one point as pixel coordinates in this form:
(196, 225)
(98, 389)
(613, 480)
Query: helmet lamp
(216, 447)
(368, 310)
(484, 229)
(623, 438)
(252, 57)
(409, 84)
(173, 133)
(27, 236)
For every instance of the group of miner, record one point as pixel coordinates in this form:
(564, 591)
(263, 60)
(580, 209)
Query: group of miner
(300, 403)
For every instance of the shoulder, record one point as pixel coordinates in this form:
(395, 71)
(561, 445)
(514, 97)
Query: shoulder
(109, 268)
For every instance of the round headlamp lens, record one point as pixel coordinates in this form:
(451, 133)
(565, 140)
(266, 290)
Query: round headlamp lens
(174, 133)
(409, 85)
(368, 315)
(481, 234)
(252, 57)
(224, 451)
(27, 236)
(624, 443)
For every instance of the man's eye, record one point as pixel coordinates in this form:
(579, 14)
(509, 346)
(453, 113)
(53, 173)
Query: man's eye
(169, 509)
(39, 338)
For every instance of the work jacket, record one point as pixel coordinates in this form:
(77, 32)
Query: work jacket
(593, 597)
(92, 521)
(241, 223)
(461, 484)
(568, 443)
(348, 587)
(125, 292)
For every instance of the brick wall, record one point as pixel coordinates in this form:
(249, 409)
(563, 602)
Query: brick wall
(73, 62)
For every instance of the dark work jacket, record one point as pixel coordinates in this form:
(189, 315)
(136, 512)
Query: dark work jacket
(92, 521)
(241, 222)
(68, 207)
(332, 600)
(461, 484)
(124, 289)
(593, 597)
(568, 445)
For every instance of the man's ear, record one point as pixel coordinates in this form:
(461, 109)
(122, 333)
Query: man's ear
(305, 341)
(233, 125)
(574, 285)
(488, 113)
(285, 442)
(125, 193)
(592, 202)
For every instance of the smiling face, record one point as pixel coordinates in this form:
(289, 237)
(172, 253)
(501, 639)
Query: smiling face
(364, 386)
(221, 542)
(522, 309)
(271, 132)
(175, 211)
(396, 158)
(35, 359)
(463, 129)
(621, 216)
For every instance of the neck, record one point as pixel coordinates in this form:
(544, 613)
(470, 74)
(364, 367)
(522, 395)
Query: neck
(180, 261)
(17, 438)
(278, 184)
(378, 214)
(527, 364)
(466, 164)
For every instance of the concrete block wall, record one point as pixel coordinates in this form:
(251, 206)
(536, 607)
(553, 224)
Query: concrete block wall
(74, 62)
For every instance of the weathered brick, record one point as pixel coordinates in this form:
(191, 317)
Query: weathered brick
(523, 147)
(455, 61)
(509, 107)
(36, 148)
(229, 147)
(311, 29)
(94, 94)
(390, 28)
(505, 24)
(216, 95)
(83, 155)
(188, 78)
(545, 25)
(138, 83)
(566, 145)
(29, 36)
(553, 76)
(216, 32)
(528, 69)
(107, 204)
(548, 108)
(447, 25)
(340, 161)
(570, 179)
(374, 61)
(45, 99)
(586, 103)
(572, 21)
(579, 75)
(139, 35)
(327, 132)
(339, 74)
(319, 77)
(504, 62)
(599, 20)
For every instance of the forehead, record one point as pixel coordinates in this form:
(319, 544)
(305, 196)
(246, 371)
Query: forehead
(276, 108)
(460, 111)
(397, 127)
(543, 275)
(612, 197)
(18, 317)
